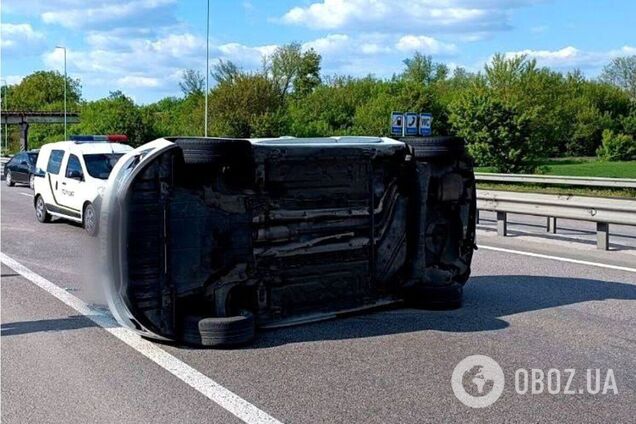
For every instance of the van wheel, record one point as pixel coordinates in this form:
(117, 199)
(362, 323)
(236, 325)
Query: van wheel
(40, 210)
(90, 220)
(200, 151)
(9, 180)
(219, 331)
(433, 147)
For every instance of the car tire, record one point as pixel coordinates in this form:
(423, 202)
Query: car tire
(445, 297)
(90, 220)
(41, 214)
(434, 147)
(202, 151)
(32, 181)
(219, 331)
(9, 179)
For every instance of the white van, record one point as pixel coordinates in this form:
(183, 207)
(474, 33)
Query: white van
(71, 175)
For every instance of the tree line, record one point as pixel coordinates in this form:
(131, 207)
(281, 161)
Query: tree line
(512, 113)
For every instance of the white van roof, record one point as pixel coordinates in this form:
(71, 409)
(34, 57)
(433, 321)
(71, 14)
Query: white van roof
(87, 148)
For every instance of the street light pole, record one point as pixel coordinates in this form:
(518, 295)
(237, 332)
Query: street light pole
(65, 83)
(6, 122)
(207, 66)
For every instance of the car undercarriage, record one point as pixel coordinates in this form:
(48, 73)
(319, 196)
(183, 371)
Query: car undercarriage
(220, 236)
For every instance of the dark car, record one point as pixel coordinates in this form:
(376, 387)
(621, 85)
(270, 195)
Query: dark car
(21, 168)
(206, 239)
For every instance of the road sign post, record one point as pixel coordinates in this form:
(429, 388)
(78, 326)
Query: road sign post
(426, 121)
(397, 123)
(410, 123)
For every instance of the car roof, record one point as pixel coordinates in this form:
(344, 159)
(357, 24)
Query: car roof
(89, 148)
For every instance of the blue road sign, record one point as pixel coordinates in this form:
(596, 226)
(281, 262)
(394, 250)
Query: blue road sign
(426, 121)
(397, 123)
(410, 122)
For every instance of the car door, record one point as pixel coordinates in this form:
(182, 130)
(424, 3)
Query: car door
(53, 178)
(71, 184)
(20, 170)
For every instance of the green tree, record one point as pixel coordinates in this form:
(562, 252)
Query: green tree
(44, 90)
(621, 72)
(291, 69)
(248, 105)
(421, 69)
(225, 71)
(617, 147)
(116, 114)
(193, 82)
(498, 133)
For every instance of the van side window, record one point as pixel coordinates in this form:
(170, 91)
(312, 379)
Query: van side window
(55, 162)
(74, 168)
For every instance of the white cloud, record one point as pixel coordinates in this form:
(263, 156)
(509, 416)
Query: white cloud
(570, 57)
(242, 54)
(457, 16)
(135, 81)
(93, 14)
(424, 44)
(13, 79)
(146, 68)
(20, 39)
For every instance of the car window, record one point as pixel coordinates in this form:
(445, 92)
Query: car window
(99, 165)
(74, 165)
(55, 162)
(19, 158)
(33, 158)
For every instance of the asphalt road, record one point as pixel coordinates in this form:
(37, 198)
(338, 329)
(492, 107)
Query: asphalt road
(392, 366)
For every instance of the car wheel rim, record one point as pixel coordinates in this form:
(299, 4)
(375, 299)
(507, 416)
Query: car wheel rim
(39, 210)
(31, 181)
(8, 178)
(90, 219)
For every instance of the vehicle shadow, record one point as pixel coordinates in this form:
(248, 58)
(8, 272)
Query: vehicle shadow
(73, 322)
(487, 299)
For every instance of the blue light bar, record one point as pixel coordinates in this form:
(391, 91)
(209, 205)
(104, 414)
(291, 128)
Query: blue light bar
(89, 138)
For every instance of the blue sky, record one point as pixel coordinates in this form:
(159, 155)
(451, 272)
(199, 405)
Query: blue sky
(142, 46)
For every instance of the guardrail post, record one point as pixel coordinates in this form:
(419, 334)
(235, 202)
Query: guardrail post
(477, 216)
(552, 225)
(502, 224)
(602, 235)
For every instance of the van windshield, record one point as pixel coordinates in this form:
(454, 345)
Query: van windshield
(100, 165)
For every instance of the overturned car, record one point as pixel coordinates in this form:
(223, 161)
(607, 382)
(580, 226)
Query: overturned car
(206, 239)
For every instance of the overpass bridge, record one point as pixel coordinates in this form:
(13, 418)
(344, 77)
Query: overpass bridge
(25, 118)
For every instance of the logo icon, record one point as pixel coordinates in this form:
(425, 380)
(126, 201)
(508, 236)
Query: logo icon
(477, 381)
(410, 119)
(426, 120)
(397, 123)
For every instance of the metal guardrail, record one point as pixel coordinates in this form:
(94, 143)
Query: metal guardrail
(557, 179)
(603, 211)
(3, 160)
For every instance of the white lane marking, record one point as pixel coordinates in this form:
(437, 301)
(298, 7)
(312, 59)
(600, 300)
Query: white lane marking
(195, 379)
(26, 194)
(557, 258)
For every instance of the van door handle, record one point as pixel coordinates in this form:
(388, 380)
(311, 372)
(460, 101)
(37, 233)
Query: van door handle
(63, 183)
